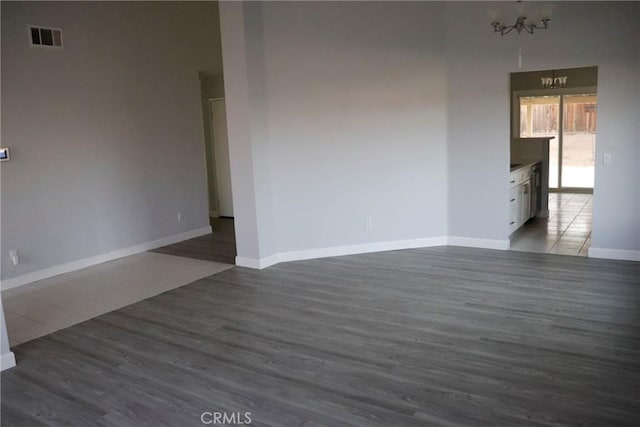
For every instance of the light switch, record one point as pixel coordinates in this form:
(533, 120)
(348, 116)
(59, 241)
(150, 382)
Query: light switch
(13, 256)
(607, 159)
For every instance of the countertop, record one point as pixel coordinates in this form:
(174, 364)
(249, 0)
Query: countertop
(516, 166)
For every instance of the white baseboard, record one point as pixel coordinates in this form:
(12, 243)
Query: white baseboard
(361, 248)
(99, 259)
(8, 360)
(478, 243)
(339, 251)
(257, 263)
(620, 254)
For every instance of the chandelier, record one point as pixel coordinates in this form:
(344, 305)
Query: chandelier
(519, 26)
(553, 82)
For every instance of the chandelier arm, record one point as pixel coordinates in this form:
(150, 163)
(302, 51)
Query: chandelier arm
(498, 27)
(520, 25)
(505, 30)
(544, 27)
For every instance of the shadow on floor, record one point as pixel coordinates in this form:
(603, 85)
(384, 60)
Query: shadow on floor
(219, 246)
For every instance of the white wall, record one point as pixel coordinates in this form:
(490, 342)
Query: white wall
(106, 134)
(349, 121)
(479, 67)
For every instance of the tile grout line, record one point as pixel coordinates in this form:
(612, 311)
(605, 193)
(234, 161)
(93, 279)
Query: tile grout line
(565, 229)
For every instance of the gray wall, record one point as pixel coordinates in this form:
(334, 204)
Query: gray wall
(356, 122)
(479, 67)
(346, 108)
(211, 87)
(243, 105)
(399, 112)
(106, 134)
(338, 112)
(4, 338)
(576, 77)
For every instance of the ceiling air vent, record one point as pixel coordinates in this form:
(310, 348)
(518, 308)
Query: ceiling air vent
(47, 37)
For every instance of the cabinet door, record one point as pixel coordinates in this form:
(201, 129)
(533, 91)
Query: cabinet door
(525, 202)
(513, 220)
(514, 202)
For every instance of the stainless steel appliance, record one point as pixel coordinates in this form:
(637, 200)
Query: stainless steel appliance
(536, 189)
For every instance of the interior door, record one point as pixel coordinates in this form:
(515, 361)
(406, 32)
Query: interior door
(221, 157)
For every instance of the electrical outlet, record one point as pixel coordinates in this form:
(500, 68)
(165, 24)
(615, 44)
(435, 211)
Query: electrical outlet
(179, 216)
(13, 255)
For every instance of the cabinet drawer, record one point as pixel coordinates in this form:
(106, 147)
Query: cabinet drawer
(518, 176)
(513, 220)
(513, 195)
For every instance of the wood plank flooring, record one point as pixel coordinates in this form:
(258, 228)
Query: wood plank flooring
(219, 246)
(440, 336)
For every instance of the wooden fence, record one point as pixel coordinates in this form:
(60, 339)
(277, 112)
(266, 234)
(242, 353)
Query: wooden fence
(578, 118)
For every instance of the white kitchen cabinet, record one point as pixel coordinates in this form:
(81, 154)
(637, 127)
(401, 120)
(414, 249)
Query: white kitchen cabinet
(519, 197)
(524, 206)
(514, 199)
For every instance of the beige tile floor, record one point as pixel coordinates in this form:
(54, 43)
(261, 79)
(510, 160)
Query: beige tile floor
(567, 231)
(43, 307)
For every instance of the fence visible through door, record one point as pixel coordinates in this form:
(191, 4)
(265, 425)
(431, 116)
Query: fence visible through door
(571, 119)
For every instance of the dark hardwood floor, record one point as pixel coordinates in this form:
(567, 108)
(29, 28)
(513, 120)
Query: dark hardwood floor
(440, 336)
(219, 246)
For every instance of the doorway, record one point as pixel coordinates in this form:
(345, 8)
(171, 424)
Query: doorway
(555, 127)
(220, 161)
(220, 244)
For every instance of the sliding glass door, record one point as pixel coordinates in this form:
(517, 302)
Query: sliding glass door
(540, 116)
(578, 141)
(572, 149)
